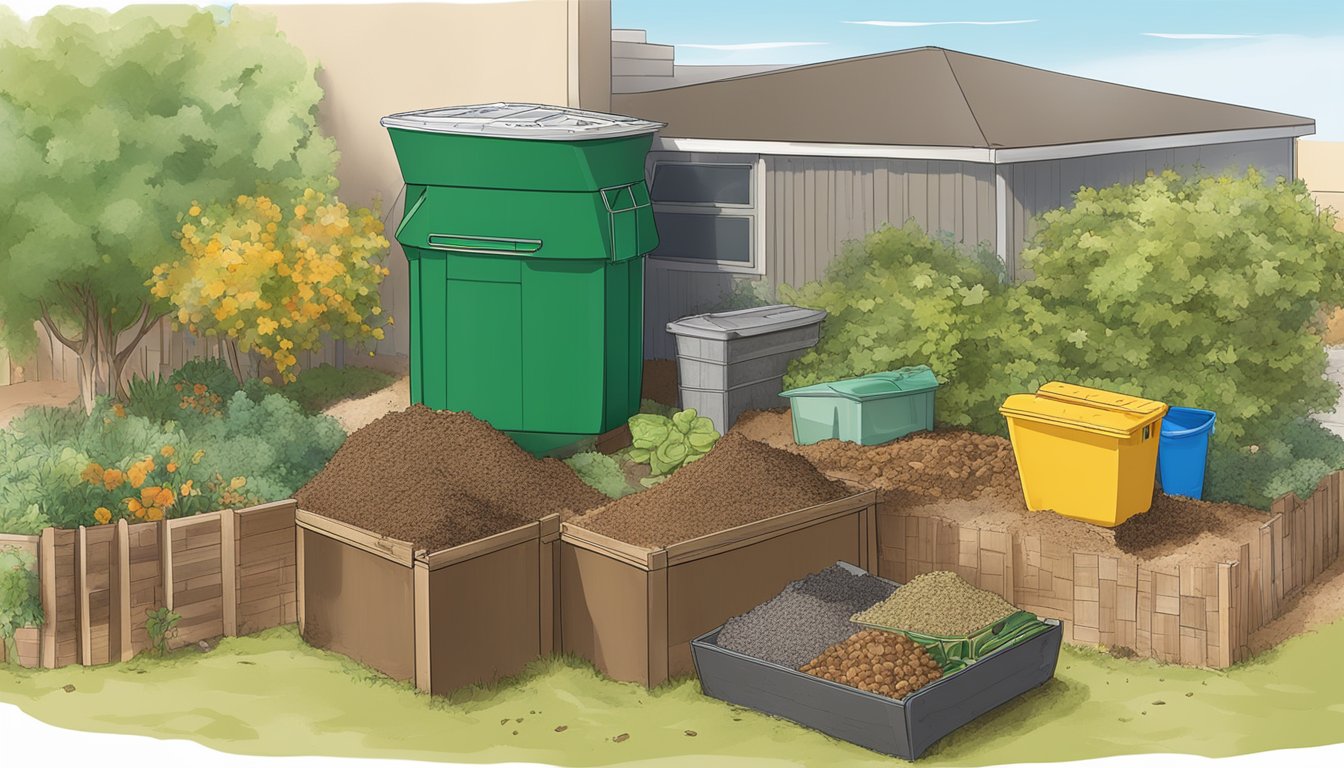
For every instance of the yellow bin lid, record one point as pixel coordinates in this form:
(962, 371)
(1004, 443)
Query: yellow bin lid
(1093, 410)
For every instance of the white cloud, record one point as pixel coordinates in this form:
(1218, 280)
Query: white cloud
(1281, 73)
(941, 23)
(744, 46)
(1197, 36)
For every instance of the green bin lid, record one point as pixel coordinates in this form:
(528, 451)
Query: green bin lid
(508, 120)
(904, 381)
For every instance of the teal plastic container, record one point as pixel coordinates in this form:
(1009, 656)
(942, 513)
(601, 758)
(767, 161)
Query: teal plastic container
(868, 410)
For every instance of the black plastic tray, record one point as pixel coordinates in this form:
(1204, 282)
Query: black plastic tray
(903, 728)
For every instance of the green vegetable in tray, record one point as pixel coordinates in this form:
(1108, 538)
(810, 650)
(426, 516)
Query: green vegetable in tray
(955, 652)
(666, 444)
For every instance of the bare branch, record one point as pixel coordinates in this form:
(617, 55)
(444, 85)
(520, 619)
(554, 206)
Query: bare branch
(75, 344)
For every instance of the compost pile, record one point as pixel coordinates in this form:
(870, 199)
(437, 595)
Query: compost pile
(740, 481)
(810, 615)
(879, 662)
(439, 479)
(938, 603)
(925, 466)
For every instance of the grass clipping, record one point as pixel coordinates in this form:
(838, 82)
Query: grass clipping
(938, 603)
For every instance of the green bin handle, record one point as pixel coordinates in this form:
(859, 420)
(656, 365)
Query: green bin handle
(481, 244)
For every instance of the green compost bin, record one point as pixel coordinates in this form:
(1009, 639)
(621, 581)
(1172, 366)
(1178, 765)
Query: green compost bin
(869, 410)
(525, 228)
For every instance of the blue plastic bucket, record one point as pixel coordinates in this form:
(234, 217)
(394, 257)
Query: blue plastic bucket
(1184, 450)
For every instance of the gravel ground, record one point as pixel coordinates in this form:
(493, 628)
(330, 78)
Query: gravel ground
(807, 617)
(740, 481)
(439, 479)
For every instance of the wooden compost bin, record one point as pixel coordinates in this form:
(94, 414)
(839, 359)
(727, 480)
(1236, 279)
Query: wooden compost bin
(633, 611)
(466, 614)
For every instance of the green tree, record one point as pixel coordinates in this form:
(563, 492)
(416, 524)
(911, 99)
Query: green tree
(1203, 292)
(112, 124)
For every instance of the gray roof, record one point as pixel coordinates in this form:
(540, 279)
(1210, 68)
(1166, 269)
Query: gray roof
(934, 97)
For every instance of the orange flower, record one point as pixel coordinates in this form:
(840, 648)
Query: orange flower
(154, 513)
(166, 451)
(120, 410)
(112, 478)
(172, 466)
(165, 497)
(139, 471)
(92, 474)
(103, 515)
(199, 389)
(135, 507)
(178, 387)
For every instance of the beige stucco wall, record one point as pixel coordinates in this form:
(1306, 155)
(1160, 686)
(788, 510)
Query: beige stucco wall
(1321, 165)
(379, 59)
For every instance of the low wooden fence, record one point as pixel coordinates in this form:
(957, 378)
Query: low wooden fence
(230, 572)
(1199, 615)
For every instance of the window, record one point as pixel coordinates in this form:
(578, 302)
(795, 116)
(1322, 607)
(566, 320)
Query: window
(707, 213)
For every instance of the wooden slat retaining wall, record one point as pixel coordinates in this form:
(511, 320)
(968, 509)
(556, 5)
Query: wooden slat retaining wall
(1199, 615)
(226, 573)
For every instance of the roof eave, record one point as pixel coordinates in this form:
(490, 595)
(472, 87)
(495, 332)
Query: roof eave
(980, 154)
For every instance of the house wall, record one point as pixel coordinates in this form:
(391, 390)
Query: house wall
(1321, 165)
(811, 207)
(1041, 186)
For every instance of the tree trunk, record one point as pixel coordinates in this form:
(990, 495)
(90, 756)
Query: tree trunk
(231, 351)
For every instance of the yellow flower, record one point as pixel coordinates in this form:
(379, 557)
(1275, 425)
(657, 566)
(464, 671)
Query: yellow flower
(166, 450)
(237, 482)
(153, 513)
(103, 515)
(187, 489)
(300, 210)
(197, 456)
(112, 478)
(194, 210)
(92, 474)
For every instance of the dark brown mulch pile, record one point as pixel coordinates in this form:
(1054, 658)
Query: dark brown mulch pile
(660, 381)
(439, 479)
(1175, 523)
(740, 481)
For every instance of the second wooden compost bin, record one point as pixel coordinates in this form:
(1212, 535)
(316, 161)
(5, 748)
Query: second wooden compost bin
(467, 614)
(633, 611)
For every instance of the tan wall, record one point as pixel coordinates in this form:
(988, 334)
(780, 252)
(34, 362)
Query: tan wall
(379, 59)
(1321, 165)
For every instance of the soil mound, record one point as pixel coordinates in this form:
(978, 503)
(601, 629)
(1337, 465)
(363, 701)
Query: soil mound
(439, 479)
(740, 481)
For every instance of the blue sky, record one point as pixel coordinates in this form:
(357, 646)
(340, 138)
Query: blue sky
(1286, 55)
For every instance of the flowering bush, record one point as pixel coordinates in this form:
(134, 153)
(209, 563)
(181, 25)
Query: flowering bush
(276, 279)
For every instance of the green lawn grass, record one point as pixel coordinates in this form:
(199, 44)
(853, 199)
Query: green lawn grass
(270, 694)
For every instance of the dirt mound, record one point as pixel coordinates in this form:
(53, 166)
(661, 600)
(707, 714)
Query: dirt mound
(921, 468)
(972, 478)
(439, 479)
(739, 482)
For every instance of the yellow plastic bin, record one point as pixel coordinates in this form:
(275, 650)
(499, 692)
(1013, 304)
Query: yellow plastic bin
(1085, 453)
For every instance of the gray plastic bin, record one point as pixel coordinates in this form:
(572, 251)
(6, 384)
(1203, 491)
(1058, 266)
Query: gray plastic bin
(904, 728)
(730, 362)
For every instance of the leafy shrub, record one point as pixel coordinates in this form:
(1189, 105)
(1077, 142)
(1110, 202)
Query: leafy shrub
(316, 389)
(1203, 292)
(69, 470)
(20, 602)
(900, 297)
(214, 373)
(154, 398)
(601, 472)
(666, 444)
(161, 626)
(1293, 461)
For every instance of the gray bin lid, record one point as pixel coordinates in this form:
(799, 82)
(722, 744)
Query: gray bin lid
(722, 326)
(510, 120)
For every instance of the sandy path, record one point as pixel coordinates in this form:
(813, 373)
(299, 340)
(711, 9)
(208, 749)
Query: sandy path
(353, 414)
(17, 398)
